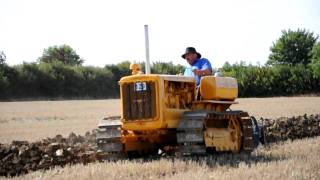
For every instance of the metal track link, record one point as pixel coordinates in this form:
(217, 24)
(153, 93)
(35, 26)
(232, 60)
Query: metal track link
(190, 133)
(247, 139)
(247, 128)
(191, 129)
(109, 138)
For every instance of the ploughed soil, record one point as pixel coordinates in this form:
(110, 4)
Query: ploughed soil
(21, 157)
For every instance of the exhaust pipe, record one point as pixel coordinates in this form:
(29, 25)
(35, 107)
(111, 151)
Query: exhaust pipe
(146, 34)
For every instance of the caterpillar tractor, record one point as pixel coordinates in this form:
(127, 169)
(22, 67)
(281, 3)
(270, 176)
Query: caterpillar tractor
(169, 113)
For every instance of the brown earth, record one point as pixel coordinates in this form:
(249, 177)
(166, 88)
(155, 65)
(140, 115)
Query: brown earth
(21, 157)
(284, 161)
(34, 121)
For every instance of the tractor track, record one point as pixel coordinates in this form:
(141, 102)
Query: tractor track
(190, 131)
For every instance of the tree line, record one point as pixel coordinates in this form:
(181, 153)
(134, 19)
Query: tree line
(293, 68)
(280, 80)
(57, 80)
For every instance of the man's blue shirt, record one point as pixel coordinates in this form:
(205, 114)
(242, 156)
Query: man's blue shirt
(199, 64)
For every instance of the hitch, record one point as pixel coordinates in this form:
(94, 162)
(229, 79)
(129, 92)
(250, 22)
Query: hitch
(258, 132)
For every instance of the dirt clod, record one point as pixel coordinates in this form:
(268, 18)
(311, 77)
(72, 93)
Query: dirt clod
(296, 127)
(21, 157)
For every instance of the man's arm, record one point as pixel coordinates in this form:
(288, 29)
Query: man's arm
(204, 72)
(205, 69)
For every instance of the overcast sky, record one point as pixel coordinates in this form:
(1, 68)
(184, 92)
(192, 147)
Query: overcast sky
(106, 32)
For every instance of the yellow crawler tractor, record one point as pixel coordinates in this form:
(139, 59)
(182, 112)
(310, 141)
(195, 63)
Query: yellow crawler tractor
(168, 112)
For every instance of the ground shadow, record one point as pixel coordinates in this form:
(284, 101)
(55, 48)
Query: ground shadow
(215, 159)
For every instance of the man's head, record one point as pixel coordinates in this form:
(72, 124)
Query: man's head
(191, 55)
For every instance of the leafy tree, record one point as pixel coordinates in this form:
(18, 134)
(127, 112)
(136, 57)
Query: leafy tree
(163, 68)
(119, 70)
(315, 62)
(293, 47)
(63, 53)
(2, 57)
(226, 66)
(166, 68)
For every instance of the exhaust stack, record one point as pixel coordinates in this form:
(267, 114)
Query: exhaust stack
(146, 34)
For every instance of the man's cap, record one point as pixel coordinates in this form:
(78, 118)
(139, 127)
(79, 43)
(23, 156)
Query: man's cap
(190, 50)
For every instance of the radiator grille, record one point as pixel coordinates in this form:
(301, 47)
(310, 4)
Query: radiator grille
(139, 100)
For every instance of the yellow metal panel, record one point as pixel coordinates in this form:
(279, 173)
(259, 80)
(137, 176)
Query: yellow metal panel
(220, 139)
(167, 116)
(172, 117)
(216, 88)
(144, 124)
(159, 76)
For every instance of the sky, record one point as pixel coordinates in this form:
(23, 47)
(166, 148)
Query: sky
(111, 31)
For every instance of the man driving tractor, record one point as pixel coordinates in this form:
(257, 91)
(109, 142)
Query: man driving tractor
(199, 66)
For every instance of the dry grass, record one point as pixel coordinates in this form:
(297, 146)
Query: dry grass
(39, 119)
(291, 160)
(280, 106)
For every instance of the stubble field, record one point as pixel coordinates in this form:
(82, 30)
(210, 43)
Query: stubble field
(36, 120)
